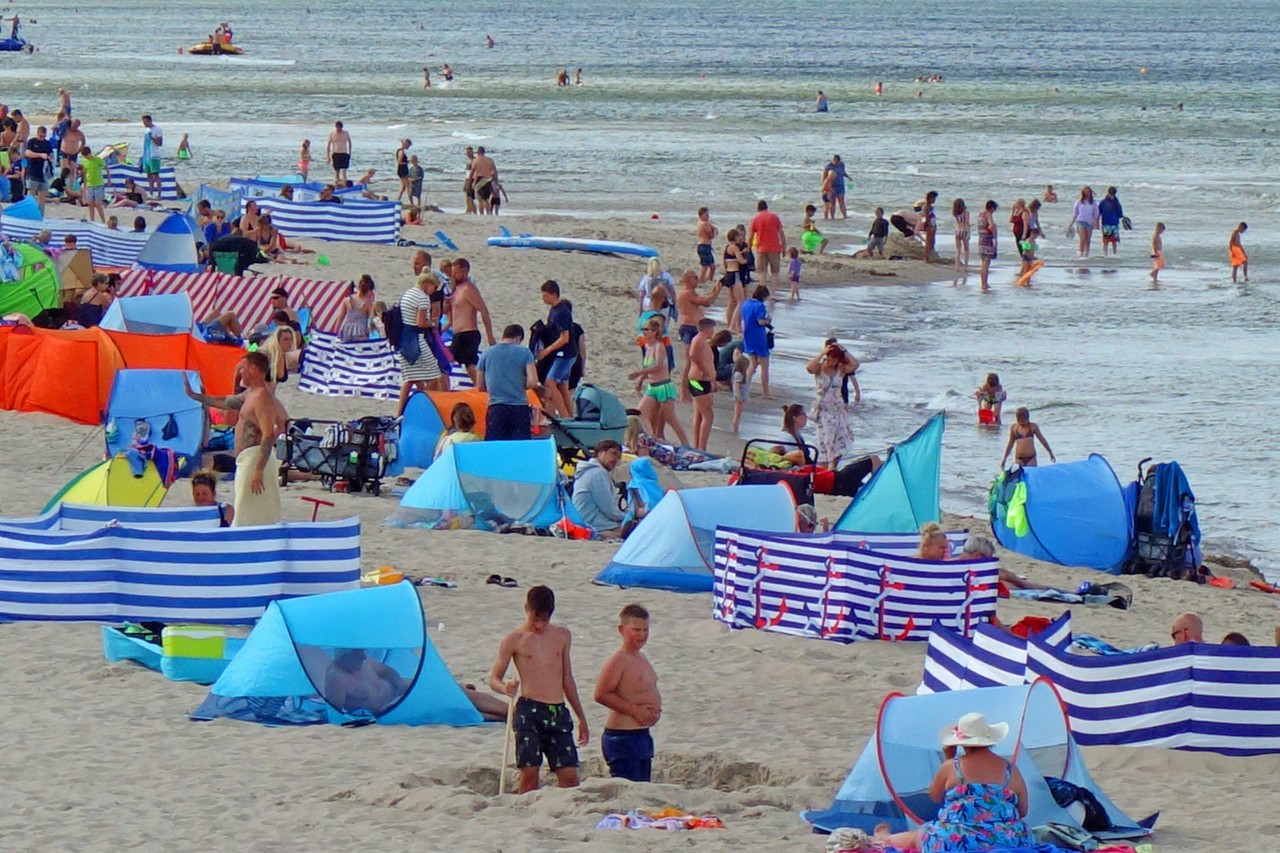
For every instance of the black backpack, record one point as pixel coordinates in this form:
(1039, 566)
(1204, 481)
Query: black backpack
(392, 324)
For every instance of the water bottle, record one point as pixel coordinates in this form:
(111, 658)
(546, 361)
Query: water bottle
(353, 460)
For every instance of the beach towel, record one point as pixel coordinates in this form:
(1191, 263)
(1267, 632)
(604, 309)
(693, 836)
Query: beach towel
(253, 510)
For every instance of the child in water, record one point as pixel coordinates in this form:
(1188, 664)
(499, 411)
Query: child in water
(184, 147)
(741, 388)
(793, 273)
(1157, 253)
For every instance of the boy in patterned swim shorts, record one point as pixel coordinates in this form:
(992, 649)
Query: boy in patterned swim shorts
(541, 720)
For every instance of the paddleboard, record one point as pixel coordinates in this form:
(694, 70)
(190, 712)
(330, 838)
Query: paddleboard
(574, 244)
(1025, 279)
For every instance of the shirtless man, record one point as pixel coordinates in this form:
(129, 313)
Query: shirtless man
(628, 687)
(540, 719)
(72, 142)
(338, 152)
(1022, 440)
(706, 232)
(701, 364)
(484, 176)
(262, 420)
(689, 306)
(465, 306)
(1235, 249)
(354, 682)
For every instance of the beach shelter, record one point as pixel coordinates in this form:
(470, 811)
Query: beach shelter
(172, 246)
(157, 398)
(428, 415)
(889, 782)
(165, 314)
(28, 208)
(903, 492)
(489, 484)
(112, 483)
(361, 655)
(1073, 514)
(673, 547)
(28, 280)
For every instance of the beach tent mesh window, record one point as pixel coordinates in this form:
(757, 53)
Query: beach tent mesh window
(890, 781)
(673, 546)
(903, 493)
(341, 657)
(1073, 514)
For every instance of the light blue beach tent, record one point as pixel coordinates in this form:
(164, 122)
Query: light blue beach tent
(420, 431)
(279, 677)
(495, 482)
(890, 781)
(174, 420)
(903, 492)
(160, 314)
(1072, 514)
(673, 547)
(172, 246)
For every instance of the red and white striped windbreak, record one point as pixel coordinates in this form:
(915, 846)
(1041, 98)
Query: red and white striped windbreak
(248, 297)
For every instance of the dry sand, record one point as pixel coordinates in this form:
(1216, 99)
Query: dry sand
(755, 726)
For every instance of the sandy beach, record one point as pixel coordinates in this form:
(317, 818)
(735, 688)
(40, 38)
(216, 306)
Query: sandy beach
(755, 727)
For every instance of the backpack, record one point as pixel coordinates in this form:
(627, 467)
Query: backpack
(392, 324)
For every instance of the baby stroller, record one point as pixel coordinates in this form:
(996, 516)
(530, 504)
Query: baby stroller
(598, 415)
(356, 452)
(799, 480)
(1166, 531)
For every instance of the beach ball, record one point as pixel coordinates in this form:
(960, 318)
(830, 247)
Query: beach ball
(322, 260)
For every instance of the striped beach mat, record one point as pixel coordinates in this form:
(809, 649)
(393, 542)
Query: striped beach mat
(247, 296)
(824, 587)
(352, 221)
(123, 572)
(168, 181)
(109, 248)
(1199, 696)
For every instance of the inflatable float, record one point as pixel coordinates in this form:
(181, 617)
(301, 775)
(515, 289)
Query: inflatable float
(1024, 280)
(574, 244)
(210, 48)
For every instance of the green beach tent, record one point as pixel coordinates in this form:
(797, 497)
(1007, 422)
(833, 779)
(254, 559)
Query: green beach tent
(36, 286)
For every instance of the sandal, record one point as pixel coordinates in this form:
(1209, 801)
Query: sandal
(496, 580)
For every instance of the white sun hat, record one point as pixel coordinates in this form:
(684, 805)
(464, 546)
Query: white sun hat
(973, 730)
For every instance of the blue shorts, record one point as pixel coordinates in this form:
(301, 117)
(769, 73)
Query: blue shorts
(705, 256)
(560, 368)
(629, 753)
(688, 332)
(507, 422)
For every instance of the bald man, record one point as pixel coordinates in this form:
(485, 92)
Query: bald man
(1187, 628)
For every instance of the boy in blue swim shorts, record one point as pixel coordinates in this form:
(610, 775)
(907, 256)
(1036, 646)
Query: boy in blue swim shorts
(628, 687)
(547, 690)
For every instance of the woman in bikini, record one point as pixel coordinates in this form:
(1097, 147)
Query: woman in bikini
(658, 405)
(733, 261)
(961, 215)
(1022, 440)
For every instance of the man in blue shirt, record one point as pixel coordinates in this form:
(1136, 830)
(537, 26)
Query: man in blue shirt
(560, 349)
(505, 371)
(838, 175)
(1110, 212)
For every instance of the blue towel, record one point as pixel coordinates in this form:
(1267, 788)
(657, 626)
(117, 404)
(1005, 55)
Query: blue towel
(645, 480)
(1173, 492)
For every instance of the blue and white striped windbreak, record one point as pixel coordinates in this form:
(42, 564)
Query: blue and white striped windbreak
(1194, 696)
(117, 174)
(847, 586)
(354, 221)
(127, 572)
(110, 248)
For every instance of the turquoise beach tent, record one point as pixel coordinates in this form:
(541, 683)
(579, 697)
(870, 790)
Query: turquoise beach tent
(288, 668)
(903, 492)
(493, 483)
(673, 547)
(420, 430)
(1072, 514)
(889, 782)
(161, 314)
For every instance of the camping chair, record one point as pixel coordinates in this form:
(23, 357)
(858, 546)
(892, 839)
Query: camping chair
(800, 482)
(226, 262)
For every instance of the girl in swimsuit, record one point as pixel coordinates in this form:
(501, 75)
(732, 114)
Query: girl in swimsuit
(928, 229)
(991, 396)
(961, 215)
(733, 262)
(658, 405)
(987, 241)
(1022, 440)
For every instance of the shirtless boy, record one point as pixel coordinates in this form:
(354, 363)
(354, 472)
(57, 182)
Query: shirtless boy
(338, 150)
(689, 305)
(702, 382)
(628, 687)
(465, 306)
(706, 233)
(1022, 440)
(541, 721)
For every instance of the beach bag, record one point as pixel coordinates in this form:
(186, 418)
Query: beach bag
(444, 356)
(410, 345)
(392, 323)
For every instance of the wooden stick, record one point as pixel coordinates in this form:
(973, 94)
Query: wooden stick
(506, 745)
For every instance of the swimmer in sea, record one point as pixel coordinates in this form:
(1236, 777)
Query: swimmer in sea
(488, 41)
(1049, 195)
(822, 101)
(1022, 440)
(447, 71)
(1157, 253)
(577, 77)
(1239, 260)
(426, 77)
(879, 88)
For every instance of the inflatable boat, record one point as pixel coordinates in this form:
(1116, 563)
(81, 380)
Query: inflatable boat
(212, 48)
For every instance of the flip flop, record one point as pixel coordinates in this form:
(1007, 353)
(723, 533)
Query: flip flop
(509, 583)
(496, 580)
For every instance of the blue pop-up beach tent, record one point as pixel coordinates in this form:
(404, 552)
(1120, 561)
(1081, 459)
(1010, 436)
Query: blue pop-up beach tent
(420, 430)
(174, 420)
(903, 492)
(1073, 514)
(172, 246)
(290, 665)
(160, 314)
(890, 781)
(674, 545)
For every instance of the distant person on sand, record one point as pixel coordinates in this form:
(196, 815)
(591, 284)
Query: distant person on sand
(701, 382)
(690, 307)
(402, 169)
(304, 159)
(467, 311)
(338, 152)
(770, 241)
(987, 242)
(484, 176)
(152, 141)
(960, 214)
(506, 371)
(839, 173)
(1022, 440)
(562, 350)
(877, 235)
(1187, 628)
(658, 405)
(1157, 253)
(1239, 260)
(756, 326)
(628, 687)
(545, 683)
(1049, 195)
(735, 276)
(706, 232)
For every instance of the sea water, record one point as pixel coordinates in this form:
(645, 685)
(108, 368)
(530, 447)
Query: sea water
(685, 104)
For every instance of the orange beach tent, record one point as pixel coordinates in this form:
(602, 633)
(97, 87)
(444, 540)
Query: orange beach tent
(68, 373)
